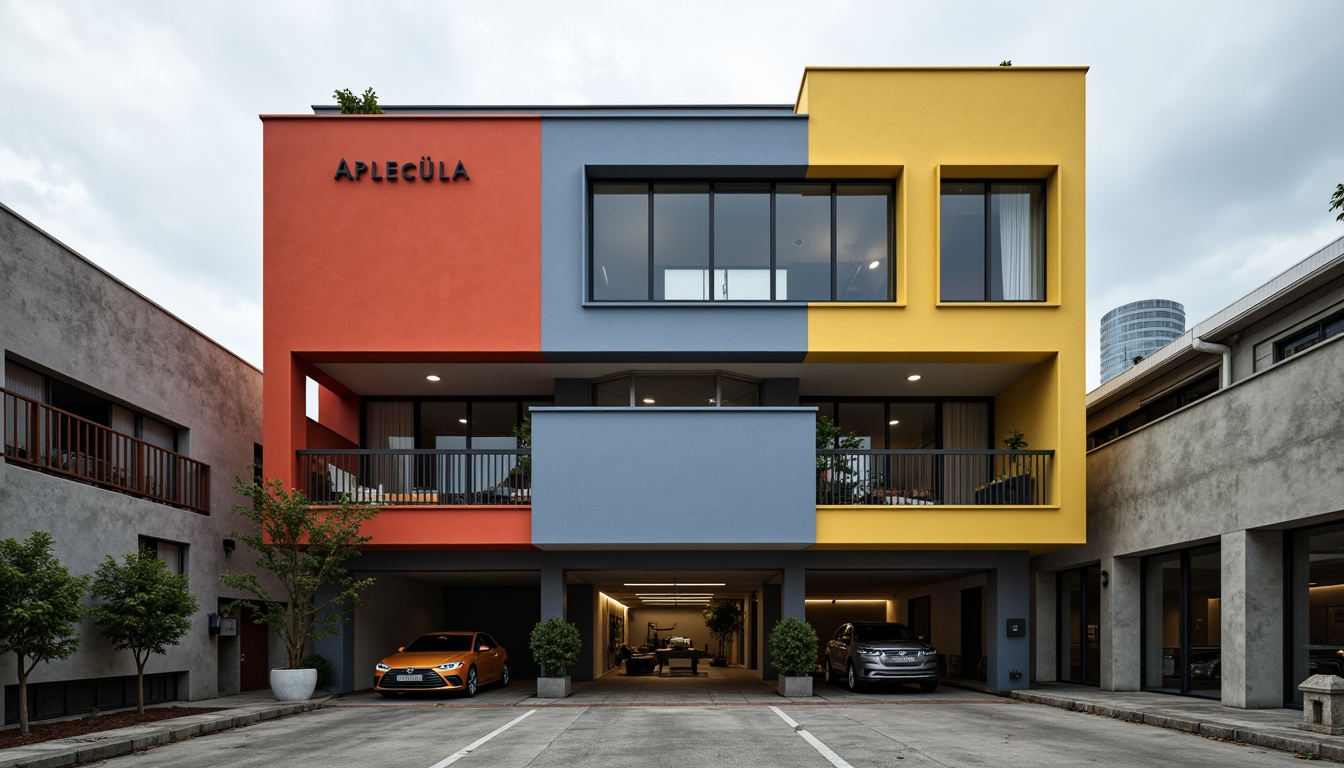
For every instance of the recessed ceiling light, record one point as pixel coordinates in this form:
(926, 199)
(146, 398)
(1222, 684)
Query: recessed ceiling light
(432, 377)
(674, 584)
(649, 401)
(913, 377)
(874, 265)
(894, 422)
(461, 421)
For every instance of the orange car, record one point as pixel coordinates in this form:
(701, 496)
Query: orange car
(443, 661)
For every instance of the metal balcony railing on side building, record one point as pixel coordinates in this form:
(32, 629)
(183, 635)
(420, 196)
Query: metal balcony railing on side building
(51, 440)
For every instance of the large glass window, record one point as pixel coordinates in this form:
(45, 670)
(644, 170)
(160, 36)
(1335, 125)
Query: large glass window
(686, 390)
(1316, 606)
(1182, 622)
(993, 241)
(741, 241)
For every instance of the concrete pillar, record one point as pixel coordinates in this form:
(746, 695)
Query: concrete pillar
(1007, 589)
(582, 606)
(339, 649)
(552, 591)
(1252, 619)
(795, 589)
(1045, 628)
(1121, 625)
(771, 612)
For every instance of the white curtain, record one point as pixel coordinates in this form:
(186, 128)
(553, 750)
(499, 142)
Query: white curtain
(1019, 258)
(389, 425)
(18, 415)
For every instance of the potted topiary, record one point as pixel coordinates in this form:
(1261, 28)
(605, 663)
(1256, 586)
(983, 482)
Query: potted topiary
(793, 653)
(723, 619)
(303, 551)
(555, 645)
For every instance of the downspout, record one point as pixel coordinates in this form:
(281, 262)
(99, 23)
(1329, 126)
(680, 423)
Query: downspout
(1201, 345)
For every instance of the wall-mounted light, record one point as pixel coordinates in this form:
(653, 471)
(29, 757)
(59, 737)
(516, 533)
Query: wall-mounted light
(1105, 578)
(229, 546)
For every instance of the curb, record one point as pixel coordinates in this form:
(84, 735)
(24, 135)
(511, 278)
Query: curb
(1213, 730)
(101, 746)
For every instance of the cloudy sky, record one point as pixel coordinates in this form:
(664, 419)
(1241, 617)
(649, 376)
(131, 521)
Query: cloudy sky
(129, 130)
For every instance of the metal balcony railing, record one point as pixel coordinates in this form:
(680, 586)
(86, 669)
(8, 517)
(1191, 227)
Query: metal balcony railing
(424, 477)
(960, 477)
(51, 440)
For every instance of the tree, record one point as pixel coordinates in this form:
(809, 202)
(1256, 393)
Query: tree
(835, 470)
(303, 549)
(358, 105)
(39, 605)
(147, 609)
(1337, 201)
(723, 619)
(555, 645)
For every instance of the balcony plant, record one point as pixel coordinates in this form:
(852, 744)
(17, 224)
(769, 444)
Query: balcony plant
(1013, 486)
(793, 653)
(304, 552)
(838, 480)
(723, 619)
(555, 645)
(521, 474)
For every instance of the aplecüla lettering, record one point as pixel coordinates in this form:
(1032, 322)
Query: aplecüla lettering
(392, 170)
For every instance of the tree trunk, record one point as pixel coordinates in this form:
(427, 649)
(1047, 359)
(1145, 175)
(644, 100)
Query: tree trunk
(23, 698)
(140, 685)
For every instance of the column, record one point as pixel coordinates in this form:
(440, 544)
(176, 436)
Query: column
(1252, 619)
(339, 649)
(552, 591)
(1044, 629)
(1007, 590)
(1121, 625)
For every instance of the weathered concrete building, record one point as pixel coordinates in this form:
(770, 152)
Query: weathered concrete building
(123, 428)
(1214, 563)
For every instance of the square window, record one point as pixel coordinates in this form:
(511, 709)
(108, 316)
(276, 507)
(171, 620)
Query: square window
(992, 241)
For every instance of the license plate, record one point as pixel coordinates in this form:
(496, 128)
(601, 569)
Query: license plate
(902, 659)
(409, 678)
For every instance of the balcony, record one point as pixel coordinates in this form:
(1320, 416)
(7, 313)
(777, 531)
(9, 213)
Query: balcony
(56, 442)
(409, 477)
(933, 477)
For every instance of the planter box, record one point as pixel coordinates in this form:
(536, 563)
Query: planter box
(553, 687)
(795, 686)
(293, 684)
(1018, 489)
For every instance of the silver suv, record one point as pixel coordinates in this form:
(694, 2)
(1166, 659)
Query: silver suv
(870, 651)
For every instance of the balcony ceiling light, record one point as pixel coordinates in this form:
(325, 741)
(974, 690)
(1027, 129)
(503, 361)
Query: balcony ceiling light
(461, 421)
(649, 401)
(913, 377)
(874, 265)
(894, 422)
(432, 377)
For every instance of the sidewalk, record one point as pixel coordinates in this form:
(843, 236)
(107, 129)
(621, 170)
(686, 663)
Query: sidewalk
(235, 711)
(1268, 728)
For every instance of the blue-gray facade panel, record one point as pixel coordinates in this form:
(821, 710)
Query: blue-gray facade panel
(662, 477)
(702, 146)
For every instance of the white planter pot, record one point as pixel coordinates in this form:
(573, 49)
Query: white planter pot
(553, 687)
(795, 686)
(293, 684)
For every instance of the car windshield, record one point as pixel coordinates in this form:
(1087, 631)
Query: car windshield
(883, 633)
(446, 643)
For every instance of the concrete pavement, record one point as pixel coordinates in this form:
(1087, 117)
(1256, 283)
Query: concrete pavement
(714, 691)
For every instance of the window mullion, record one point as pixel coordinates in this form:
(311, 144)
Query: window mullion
(772, 277)
(988, 195)
(710, 277)
(651, 262)
(834, 255)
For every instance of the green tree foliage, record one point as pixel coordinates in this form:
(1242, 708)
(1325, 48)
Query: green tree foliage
(723, 619)
(39, 605)
(555, 645)
(837, 481)
(793, 647)
(146, 609)
(1337, 201)
(358, 105)
(303, 549)
(1006, 63)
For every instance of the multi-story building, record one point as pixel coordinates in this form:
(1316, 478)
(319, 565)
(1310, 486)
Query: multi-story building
(1214, 563)
(664, 300)
(123, 428)
(1133, 331)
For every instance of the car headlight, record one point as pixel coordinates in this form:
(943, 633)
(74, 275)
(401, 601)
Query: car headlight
(381, 667)
(928, 652)
(451, 665)
(869, 652)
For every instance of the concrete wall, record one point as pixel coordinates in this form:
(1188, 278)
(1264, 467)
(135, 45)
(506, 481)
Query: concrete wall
(69, 319)
(673, 476)
(399, 611)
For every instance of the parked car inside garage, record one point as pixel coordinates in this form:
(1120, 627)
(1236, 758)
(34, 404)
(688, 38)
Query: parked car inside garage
(864, 652)
(443, 661)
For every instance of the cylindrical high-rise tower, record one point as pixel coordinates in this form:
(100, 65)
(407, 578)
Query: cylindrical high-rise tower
(1136, 330)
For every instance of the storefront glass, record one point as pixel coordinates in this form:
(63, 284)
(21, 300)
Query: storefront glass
(1316, 606)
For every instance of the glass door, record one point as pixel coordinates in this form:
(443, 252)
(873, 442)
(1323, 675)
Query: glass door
(1182, 622)
(1079, 624)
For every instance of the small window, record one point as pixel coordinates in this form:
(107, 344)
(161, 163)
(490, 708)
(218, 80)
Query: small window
(173, 554)
(1309, 337)
(993, 241)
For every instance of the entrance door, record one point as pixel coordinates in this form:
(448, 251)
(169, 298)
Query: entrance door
(254, 650)
(1079, 643)
(920, 618)
(972, 633)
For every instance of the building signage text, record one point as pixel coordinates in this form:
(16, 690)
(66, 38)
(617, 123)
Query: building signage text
(392, 170)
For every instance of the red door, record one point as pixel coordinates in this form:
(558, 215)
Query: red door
(254, 650)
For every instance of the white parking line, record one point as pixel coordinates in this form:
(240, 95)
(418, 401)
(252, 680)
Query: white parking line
(463, 752)
(826, 752)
